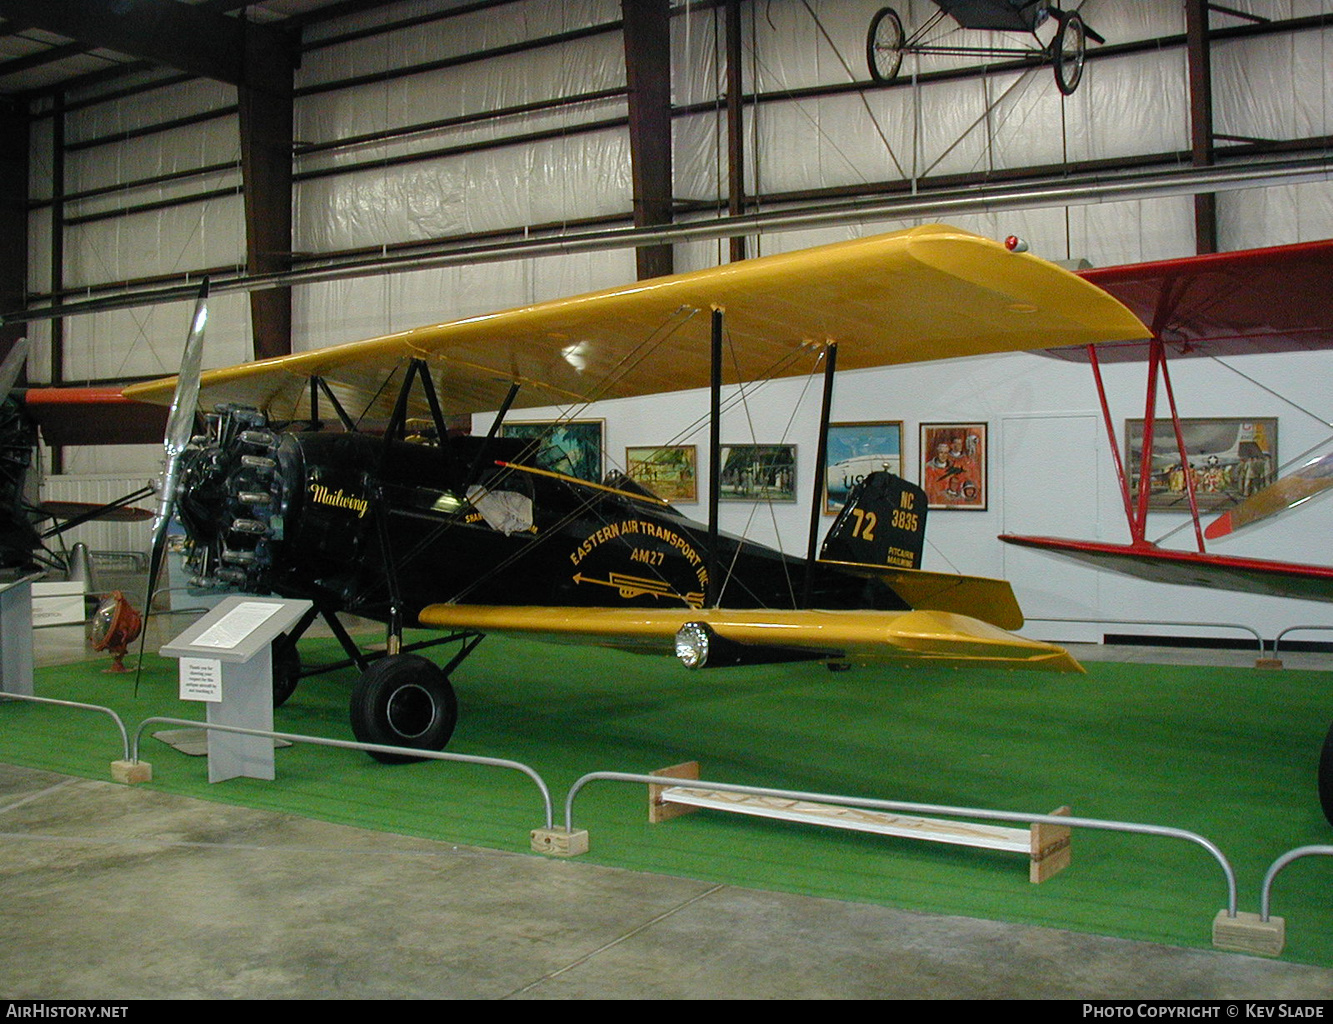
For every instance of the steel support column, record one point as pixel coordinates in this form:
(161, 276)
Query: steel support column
(266, 169)
(648, 73)
(13, 218)
(735, 124)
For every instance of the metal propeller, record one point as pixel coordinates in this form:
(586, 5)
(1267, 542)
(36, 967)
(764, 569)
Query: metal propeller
(180, 428)
(1293, 489)
(12, 367)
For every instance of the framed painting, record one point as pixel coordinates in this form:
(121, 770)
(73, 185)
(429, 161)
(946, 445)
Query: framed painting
(758, 472)
(669, 471)
(571, 447)
(856, 450)
(1229, 458)
(953, 465)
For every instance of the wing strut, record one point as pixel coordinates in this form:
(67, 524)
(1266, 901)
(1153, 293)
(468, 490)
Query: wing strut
(319, 382)
(714, 592)
(821, 461)
(490, 434)
(1137, 516)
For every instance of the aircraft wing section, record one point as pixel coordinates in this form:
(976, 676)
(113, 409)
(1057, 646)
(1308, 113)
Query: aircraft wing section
(857, 636)
(93, 416)
(1278, 299)
(990, 600)
(927, 293)
(1191, 568)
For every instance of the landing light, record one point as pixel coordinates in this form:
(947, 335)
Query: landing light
(692, 641)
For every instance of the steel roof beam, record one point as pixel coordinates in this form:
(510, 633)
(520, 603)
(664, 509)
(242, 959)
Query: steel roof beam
(191, 39)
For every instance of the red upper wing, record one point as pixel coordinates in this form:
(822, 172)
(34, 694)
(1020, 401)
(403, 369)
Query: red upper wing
(1233, 303)
(94, 416)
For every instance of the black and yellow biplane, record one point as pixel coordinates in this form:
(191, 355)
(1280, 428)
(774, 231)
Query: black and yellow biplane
(289, 492)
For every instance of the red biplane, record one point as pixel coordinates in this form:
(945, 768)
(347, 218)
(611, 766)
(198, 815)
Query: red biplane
(1271, 300)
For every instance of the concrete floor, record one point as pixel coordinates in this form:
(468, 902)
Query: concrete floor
(111, 893)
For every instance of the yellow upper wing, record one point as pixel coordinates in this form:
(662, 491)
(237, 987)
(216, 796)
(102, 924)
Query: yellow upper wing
(927, 293)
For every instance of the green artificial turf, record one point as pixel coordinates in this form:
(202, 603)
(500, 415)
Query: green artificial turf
(1227, 753)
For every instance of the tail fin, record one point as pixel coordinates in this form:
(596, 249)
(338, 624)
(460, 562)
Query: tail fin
(883, 523)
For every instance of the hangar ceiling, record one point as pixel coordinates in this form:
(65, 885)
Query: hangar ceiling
(49, 45)
(58, 58)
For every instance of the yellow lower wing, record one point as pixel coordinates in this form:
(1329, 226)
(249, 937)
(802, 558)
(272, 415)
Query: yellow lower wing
(857, 636)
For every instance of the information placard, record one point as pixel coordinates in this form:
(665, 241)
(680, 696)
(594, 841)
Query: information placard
(201, 679)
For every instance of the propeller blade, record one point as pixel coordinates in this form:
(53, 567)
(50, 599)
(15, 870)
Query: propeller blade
(12, 367)
(180, 427)
(1302, 485)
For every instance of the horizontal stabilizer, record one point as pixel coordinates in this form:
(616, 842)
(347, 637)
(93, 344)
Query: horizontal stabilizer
(1192, 568)
(862, 637)
(990, 600)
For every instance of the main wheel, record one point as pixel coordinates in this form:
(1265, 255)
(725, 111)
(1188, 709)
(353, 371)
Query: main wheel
(286, 670)
(403, 701)
(1326, 777)
(884, 45)
(1068, 50)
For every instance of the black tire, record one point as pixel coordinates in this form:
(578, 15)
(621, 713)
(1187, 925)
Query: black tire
(1068, 49)
(286, 670)
(884, 45)
(403, 701)
(1326, 777)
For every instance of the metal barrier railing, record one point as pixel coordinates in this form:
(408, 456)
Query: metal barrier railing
(1292, 629)
(124, 739)
(370, 748)
(1282, 862)
(913, 808)
(1259, 640)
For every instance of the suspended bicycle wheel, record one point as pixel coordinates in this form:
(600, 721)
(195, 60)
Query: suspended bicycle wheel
(884, 45)
(1068, 50)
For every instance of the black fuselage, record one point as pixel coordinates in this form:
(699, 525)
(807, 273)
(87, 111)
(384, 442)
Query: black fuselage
(362, 524)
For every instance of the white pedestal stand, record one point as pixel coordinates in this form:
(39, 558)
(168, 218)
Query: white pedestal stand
(16, 635)
(226, 661)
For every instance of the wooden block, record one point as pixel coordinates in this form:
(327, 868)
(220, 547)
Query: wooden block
(1248, 933)
(1268, 663)
(659, 809)
(558, 843)
(131, 772)
(1051, 849)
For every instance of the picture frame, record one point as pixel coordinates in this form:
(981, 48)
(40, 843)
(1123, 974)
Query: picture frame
(758, 472)
(855, 450)
(954, 471)
(670, 471)
(1230, 458)
(571, 447)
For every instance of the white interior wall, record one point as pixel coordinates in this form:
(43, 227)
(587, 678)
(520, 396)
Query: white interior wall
(1276, 87)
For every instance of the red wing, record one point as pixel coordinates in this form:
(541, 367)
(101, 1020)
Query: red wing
(1234, 303)
(1190, 568)
(94, 416)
